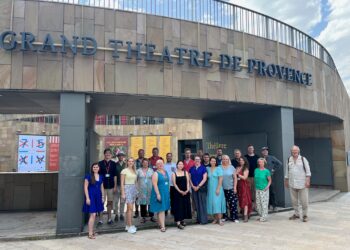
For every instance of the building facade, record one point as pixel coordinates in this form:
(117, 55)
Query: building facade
(248, 77)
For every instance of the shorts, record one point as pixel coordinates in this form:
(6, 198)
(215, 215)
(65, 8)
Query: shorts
(130, 193)
(108, 194)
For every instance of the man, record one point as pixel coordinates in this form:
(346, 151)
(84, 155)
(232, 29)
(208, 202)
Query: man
(141, 156)
(138, 162)
(252, 159)
(206, 158)
(218, 156)
(200, 154)
(108, 171)
(188, 162)
(155, 157)
(118, 201)
(170, 168)
(236, 155)
(297, 179)
(273, 164)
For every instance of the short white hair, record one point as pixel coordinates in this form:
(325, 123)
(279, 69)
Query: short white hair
(295, 147)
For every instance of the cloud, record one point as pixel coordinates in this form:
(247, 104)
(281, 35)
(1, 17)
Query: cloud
(336, 37)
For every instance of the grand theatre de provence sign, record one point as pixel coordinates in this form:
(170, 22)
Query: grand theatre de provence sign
(88, 46)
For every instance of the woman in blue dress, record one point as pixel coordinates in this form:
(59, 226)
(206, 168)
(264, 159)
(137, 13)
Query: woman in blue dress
(93, 190)
(216, 203)
(160, 195)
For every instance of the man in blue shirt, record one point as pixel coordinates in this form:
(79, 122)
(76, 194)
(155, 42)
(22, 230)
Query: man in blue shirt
(170, 168)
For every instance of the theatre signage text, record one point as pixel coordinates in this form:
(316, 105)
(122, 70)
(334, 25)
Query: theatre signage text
(88, 46)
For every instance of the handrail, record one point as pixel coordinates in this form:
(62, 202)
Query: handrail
(222, 14)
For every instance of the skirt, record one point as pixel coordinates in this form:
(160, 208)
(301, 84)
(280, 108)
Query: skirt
(130, 193)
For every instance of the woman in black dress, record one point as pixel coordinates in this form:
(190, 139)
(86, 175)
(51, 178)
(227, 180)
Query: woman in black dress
(182, 204)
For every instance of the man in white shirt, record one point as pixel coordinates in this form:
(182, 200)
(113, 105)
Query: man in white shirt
(170, 168)
(297, 179)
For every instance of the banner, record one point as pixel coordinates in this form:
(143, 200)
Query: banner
(54, 153)
(31, 153)
(118, 144)
(164, 146)
(151, 142)
(136, 143)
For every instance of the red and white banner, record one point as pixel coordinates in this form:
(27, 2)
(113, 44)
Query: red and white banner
(54, 153)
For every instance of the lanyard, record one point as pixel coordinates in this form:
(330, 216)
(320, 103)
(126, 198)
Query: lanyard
(107, 164)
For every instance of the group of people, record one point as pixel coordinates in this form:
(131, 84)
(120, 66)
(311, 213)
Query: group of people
(207, 185)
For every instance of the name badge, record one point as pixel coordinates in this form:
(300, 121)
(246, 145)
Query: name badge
(107, 175)
(166, 183)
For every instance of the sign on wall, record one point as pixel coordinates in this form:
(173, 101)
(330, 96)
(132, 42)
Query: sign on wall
(118, 144)
(151, 142)
(164, 145)
(31, 153)
(136, 143)
(54, 153)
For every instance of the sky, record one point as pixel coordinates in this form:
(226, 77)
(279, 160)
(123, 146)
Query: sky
(328, 21)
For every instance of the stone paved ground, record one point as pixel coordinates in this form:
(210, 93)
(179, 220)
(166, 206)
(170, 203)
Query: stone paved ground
(328, 228)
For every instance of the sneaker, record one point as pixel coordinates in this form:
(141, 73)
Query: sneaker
(110, 222)
(100, 223)
(135, 228)
(294, 217)
(305, 218)
(262, 220)
(131, 230)
(236, 221)
(121, 217)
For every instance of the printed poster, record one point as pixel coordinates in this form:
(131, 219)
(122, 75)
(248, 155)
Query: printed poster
(151, 142)
(31, 153)
(136, 143)
(164, 146)
(54, 153)
(118, 144)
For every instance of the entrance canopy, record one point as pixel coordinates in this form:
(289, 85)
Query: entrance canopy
(12, 102)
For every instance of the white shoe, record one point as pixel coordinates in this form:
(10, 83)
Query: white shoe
(132, 230)
(134, 227)
(127, 228)
(236, 221)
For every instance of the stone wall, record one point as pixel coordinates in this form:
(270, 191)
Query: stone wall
(28, 191)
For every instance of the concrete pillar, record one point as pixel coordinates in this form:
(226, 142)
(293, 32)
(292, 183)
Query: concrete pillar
(73, 162)
(272, 126)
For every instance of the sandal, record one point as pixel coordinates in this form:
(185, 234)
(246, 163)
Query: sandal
(163, 229)
(91, 237)
(95, 234)
(214, 222)
(221, 223)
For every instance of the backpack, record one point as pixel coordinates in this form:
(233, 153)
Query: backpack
(302, 159)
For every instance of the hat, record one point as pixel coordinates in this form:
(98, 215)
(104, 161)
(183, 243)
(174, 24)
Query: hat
(264, 148)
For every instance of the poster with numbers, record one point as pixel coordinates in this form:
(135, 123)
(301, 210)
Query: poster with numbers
(31, 153)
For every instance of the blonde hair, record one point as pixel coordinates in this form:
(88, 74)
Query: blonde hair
(262, 159)
(133, 166)
(228, 158)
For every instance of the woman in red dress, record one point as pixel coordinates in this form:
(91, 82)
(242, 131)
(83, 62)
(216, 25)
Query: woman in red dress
(243, 188)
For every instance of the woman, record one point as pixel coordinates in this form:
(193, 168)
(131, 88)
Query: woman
(262, 180)
(160, 196)
(128, 178)
(182, 204)
(144, 187)
(243, 188)
(198, 181)
(93, 190)
(229, 184)
(215, 197)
